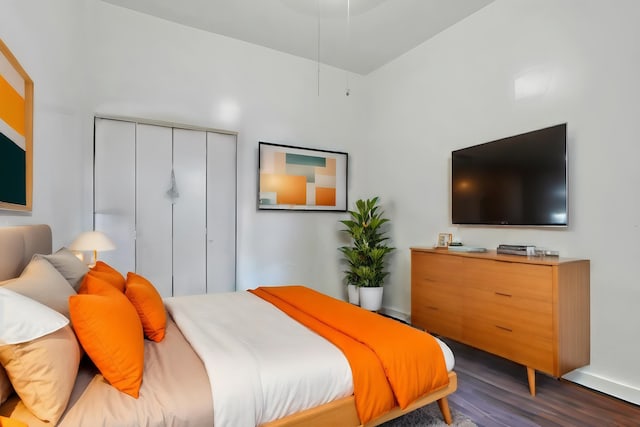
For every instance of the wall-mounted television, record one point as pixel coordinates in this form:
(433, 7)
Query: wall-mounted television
(520, 180)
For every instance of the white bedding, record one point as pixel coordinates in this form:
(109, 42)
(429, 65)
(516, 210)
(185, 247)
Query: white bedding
(262, 365)
(256, 347)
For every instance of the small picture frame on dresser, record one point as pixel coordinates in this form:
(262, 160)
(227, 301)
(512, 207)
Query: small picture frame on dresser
(444, 239)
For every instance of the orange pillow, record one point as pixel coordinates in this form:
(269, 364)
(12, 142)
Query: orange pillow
(101, 276)
(106, 274)
(109, 330)
(117, 279)
(148, 303)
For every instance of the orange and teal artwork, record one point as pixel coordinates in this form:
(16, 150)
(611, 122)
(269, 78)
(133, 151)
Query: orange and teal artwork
(302, 179)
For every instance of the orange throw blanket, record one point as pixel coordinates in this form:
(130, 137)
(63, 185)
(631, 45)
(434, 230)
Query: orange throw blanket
(392, 364)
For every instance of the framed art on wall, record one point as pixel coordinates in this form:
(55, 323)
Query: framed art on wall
(296, 178)
(16, 133)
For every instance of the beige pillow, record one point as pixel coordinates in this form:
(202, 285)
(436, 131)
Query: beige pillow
(42, 282)
(43, 372)
(68, 265)
(5, 386)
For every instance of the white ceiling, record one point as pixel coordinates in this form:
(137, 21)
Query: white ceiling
(372, 34)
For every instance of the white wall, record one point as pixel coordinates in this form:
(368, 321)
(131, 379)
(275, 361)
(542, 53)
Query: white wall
(146, 67)
(48, 40)
(457, 90)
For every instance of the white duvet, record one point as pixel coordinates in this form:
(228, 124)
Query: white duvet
(261, 365)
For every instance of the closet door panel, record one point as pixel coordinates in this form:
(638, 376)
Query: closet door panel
(153, 206)
(114, 195)
(189, 212)
(221, 212)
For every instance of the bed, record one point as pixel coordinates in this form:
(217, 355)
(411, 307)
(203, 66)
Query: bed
(176, 389)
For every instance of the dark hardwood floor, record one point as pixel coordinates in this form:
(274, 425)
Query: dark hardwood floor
(494, 392)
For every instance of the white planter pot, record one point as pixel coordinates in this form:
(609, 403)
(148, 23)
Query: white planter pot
(354, 294)
(371, 298)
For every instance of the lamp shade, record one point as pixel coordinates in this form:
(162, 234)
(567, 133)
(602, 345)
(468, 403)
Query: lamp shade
(92, 241)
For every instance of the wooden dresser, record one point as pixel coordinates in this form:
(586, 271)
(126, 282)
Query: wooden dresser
(531, 310)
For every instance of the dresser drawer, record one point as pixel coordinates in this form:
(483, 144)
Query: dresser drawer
(436, 320)
(514, 317)
(437, 295)
(435, 267)
(508, 304)
(516, 344)
(528, 281)
(436, 307)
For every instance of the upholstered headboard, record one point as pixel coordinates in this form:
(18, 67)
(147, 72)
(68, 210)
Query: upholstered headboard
(17, 246)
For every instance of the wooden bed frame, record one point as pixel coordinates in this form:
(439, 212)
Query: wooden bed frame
(343, 412)
(18, 244)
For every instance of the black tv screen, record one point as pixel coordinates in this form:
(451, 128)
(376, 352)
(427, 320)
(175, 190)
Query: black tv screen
(519, 180)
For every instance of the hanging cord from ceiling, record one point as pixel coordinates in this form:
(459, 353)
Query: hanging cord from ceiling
(348, 90)
(318, 52)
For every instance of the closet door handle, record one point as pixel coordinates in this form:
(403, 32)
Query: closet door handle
(504, 328)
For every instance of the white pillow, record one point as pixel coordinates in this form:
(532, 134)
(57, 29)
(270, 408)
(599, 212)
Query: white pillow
(23, 319)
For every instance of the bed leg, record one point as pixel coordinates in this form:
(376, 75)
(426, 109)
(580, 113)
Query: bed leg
(443, 404)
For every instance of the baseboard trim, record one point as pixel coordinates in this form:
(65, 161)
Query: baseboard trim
(604, 385)
(395, 314)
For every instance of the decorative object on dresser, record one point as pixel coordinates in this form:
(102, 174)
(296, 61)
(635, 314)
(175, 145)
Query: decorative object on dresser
(367, 253)
(444, 240)
(531, 310)
(525, 250)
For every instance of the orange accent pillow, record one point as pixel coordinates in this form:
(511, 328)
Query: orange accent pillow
(148, 303)
(118, 279)
(107, 274)
(108, 327)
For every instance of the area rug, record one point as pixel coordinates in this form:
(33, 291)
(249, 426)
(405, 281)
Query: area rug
(429, 416)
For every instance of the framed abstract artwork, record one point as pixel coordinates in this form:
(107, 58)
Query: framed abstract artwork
(16, 133)
(296, 178)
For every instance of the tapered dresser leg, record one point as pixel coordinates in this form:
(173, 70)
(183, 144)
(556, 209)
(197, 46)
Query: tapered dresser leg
(531, 376)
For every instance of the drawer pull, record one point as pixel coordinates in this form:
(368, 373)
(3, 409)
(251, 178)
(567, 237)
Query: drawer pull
(504, 328)
(502, 294)
(431, 307)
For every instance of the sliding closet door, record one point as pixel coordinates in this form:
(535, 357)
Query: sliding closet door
(221, 212)
(189, 212)
(114, 195)
(154, 228)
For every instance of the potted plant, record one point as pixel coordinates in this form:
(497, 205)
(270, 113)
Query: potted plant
(366, 255)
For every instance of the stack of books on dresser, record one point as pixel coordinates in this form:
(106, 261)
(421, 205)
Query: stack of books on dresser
(516, 249)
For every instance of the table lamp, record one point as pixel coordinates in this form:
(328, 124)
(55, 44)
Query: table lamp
(92, 241)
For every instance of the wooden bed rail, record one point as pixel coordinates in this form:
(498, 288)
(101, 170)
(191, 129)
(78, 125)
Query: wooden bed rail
(342, 412)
